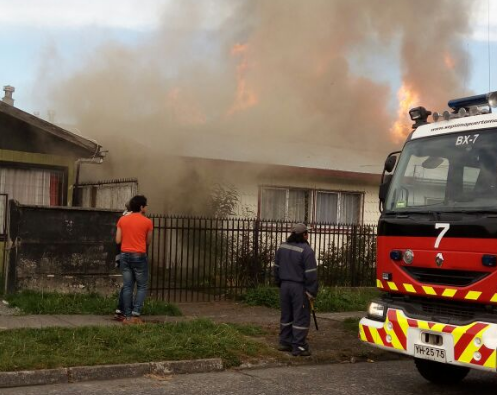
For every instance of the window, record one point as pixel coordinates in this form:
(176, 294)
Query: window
(338, 207)
(295, 205)
(285, 204)
(327, 207)
(36, 186)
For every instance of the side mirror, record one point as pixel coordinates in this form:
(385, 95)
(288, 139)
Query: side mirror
(390, 163)
(385, 185)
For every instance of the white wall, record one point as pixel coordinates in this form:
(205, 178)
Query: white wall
(249, 190)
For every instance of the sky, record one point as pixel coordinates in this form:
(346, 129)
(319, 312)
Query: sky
(45, 42)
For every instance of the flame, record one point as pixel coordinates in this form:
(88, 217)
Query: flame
(449, 61)
(183, 108)
(245, 96)
(403, 125)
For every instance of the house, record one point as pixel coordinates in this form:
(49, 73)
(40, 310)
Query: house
(39, 161)
(280, 180)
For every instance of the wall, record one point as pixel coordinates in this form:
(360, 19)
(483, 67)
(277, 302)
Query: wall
(249, 191)
(62, 249)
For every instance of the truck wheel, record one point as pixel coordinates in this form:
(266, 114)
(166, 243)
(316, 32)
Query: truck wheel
(440, 373)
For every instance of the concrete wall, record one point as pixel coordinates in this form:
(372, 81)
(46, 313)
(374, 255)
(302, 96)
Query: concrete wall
(62, 249)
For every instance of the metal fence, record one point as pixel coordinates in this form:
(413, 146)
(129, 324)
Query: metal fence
(203, 259)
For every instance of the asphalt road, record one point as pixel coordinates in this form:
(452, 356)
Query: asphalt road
(398, 377)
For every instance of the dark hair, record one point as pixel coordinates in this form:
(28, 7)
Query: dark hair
(136, 203)
(297, 238)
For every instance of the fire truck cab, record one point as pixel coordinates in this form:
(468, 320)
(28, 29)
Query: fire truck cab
(437, 244)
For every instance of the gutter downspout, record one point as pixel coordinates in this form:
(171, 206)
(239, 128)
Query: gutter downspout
(97, 159)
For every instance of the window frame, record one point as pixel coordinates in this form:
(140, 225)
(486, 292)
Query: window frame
(63, 182)
(312, 213)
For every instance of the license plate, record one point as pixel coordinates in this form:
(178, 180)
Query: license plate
(431, 353)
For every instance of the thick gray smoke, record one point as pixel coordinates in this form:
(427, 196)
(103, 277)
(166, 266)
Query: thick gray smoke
(271, 71)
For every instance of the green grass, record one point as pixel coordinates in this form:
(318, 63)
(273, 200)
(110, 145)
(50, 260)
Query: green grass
(65, 347)
(329, 299)
(345, 299)
(30, 302)
(351, 324)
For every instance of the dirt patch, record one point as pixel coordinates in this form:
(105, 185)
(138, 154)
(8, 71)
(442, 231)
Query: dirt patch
(334, 342)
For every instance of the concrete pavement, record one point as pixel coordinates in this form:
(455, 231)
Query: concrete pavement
(219, 312)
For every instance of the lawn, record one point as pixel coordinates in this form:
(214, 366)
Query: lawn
(48, 348)
(329, 299)
(30, 302)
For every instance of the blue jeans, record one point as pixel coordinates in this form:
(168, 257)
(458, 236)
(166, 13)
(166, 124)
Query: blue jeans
(134, 268)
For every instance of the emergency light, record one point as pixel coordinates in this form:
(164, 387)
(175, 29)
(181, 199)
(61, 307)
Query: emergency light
(488, 99)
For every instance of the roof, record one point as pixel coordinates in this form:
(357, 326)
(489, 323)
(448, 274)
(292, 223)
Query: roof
(476, 122)
(91, 147)
(278, 152)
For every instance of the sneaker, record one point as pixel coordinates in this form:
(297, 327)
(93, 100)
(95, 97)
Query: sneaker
(301, 352)
(284, 347)
(133, 321)
(119, 317)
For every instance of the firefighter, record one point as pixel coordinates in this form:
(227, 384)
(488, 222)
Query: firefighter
(295, 273)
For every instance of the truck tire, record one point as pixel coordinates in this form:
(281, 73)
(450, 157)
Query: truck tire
(440, 373)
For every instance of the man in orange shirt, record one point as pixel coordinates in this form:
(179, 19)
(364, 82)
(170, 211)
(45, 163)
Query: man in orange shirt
(134, 233)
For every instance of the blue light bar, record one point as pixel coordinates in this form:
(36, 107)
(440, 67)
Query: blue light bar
(471, 101)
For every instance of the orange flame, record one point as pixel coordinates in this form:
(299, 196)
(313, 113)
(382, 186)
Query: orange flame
(403, 125)
(183, 108)
(245, 96)
(449, 61)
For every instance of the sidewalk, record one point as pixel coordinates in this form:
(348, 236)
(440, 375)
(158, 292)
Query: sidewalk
(219, 312)
(332, 343)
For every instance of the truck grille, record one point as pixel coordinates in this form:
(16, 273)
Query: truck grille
(456, 278)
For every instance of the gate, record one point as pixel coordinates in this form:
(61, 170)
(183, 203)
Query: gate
(204, 259)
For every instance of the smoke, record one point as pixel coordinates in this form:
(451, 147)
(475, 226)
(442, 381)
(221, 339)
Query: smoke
(271, 71)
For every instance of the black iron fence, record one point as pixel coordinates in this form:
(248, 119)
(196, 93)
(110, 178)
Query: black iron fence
(203, 259)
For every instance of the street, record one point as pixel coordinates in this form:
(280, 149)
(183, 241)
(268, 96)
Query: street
(395, 377)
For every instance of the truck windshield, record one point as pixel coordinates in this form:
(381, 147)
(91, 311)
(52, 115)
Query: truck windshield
(456, 172)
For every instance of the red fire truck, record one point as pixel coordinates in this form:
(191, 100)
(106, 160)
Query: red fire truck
(437, 244)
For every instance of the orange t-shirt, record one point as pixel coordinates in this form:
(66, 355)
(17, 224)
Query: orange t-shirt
(134, 229)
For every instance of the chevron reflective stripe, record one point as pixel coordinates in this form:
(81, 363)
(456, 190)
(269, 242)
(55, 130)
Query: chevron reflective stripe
(429, 290)
(409, 288)
(449, 292)
(468, 340)
(472, 295)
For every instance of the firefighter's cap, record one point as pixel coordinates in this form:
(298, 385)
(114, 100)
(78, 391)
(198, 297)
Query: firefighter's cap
(299, 228)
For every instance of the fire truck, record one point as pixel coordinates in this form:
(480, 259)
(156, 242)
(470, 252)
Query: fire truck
(437, 244)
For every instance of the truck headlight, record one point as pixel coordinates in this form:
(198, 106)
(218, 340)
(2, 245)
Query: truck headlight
(377, 311)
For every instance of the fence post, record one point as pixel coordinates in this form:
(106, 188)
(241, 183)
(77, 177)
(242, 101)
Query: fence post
(353, 256)
(256, 270)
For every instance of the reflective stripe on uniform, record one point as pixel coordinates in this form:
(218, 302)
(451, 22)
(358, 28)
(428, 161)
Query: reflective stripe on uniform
(311, 270)
(293, 248)
(275, 265)
(286, 323)
(302, 328)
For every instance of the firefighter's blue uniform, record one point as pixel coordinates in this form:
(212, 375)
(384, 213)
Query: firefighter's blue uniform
(295, 272)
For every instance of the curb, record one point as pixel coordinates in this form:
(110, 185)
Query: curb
(107, 372)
